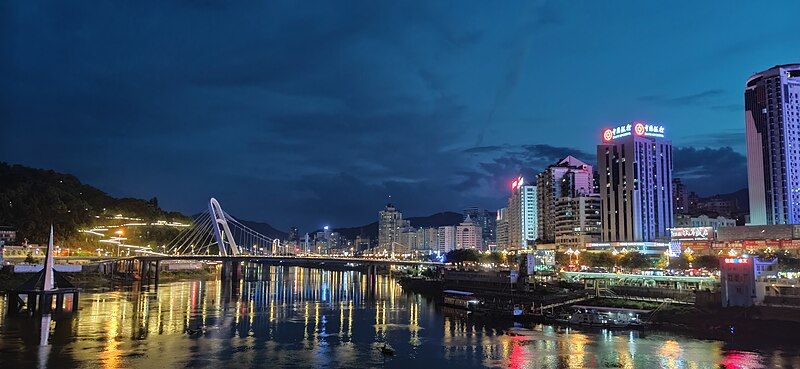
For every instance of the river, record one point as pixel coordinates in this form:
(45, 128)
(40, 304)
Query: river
(299, 317)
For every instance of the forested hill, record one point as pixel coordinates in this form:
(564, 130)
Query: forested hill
(31, 199)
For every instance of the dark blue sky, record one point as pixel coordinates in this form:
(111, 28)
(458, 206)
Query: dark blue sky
(311, 113)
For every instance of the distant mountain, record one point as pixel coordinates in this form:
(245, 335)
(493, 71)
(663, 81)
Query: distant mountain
(742, 198)
(370, 230)
(265, 229)
(446, 218)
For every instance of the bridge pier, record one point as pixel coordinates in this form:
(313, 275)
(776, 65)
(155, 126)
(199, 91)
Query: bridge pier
(149, 271)
(230, 270)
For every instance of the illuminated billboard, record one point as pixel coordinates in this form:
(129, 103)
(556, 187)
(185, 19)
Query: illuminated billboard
(692, 233)
(641, 129)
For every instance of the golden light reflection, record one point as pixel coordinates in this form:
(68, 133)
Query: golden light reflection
(343, 315)
(671, 354)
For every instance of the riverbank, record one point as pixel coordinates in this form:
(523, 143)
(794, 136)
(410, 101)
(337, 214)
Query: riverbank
(760, 323)
(90, 280)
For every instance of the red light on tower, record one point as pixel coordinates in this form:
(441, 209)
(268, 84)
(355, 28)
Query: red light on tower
(608, 135)
(517, 183)
(639, 129)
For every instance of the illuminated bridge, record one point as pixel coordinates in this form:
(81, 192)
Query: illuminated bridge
(216, 236)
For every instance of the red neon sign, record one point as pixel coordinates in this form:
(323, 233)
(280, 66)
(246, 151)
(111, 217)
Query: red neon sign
(608, 135)
(736, 260)
(639, 129)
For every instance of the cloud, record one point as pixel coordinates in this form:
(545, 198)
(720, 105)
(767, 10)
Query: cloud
(701, 98)
(496, 166)
(733, 138)
(710, 171)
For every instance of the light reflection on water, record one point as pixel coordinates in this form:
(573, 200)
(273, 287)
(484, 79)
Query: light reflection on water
(298, 317)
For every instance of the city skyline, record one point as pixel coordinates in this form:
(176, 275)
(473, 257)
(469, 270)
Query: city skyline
(294, 136)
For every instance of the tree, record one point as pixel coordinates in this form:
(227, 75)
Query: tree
(29, 259)
(496, 257)
(460, 256)
(707, 262)
(635, 260)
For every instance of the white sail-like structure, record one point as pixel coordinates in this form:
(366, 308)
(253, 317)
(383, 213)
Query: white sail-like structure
(49, 282)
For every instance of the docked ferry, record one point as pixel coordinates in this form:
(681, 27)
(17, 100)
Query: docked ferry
(606, 317)
(460, 299)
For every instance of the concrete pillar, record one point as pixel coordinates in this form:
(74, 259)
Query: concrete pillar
(45, 303)
(13, 302)
(31, 303)
(75, 297)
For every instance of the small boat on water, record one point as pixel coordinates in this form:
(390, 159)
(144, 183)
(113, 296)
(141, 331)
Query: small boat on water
(520, 332)
(386, 350)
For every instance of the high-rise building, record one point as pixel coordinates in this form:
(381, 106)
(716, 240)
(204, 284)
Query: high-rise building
(577, 221)
(569, 177)
(468, 235)
(522, 214)
(772, 128)
(293, 236)
(408, 240)
(635, 165)
(446, 239)
(680, 197)
(486, 220)
(501, 229)
(362, 243)
(390, 223)
(426, 239)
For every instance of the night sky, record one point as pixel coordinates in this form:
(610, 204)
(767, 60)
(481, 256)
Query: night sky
(311, 113)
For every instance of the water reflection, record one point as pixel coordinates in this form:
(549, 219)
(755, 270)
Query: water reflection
(297, 317)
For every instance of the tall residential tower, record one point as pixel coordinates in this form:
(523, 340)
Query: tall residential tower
(390, 223)
(772, 127)
(569, 178)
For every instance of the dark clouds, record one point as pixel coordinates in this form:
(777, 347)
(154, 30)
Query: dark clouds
(706, 170)
(693, 99)
(311, 113)
(710, 170)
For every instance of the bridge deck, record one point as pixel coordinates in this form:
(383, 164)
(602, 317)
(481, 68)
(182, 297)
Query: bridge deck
(278, 258)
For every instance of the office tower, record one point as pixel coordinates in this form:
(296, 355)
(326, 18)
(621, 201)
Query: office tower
(772, 129)
(522, 215)
(635, 166)
(486, 220)
(469, 235)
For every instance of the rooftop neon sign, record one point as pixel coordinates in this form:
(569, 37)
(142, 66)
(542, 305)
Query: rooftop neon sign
(640, 129)
(736, 260)
(517, 183)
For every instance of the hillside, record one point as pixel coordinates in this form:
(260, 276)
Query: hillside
(31, 199)
(265, 229)
(370, 230)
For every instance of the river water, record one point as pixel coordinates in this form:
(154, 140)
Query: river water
(309, 318)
